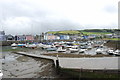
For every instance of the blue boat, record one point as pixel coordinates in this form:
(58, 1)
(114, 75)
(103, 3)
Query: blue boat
(21, 45)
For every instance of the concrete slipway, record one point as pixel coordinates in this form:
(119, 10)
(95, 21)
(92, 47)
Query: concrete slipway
(96, 63)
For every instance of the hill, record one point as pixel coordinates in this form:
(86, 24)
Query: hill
(99, 31)
(86, 31)
(70, 32)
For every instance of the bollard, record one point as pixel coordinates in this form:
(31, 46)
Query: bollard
(57, 65)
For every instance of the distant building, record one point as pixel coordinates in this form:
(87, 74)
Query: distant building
(64, 37)
(29, 37)
(116, 36)
(9, 37)
(2, 36)
(44, 36)
(85, 37)
(74, 37)
(109, 35)
(37, 37)
(57, 37)
(51, 37)
(92, 36)
(20, 37)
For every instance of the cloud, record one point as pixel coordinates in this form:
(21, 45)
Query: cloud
(37, 16)
(111, 9)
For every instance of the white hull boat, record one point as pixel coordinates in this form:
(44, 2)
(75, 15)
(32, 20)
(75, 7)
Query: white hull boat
(89, 47)
(110, 52)
(73, 50)
(60, 49)
(46, 46)
(99, 51)
(21, 45)
(1, 74)
(82, 50)
(117, 52)
(14, 45)
(40, 45)
(51, 49)
(31, 45)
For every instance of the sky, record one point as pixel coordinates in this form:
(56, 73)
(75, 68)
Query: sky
(37, 16)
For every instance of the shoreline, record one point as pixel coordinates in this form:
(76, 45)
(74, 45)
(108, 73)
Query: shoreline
(75, 55)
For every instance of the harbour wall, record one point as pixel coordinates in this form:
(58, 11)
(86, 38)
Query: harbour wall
(103, 67)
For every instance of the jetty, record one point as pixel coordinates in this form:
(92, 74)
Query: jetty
(38, 56)
(95, 63)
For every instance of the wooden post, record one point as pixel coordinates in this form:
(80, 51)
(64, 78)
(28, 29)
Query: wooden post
(80, 75)
(57, 65)
(104, 70)
(57, 62)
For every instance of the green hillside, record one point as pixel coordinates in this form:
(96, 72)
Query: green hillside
(86, 31)
(65, 32)
(97, 33)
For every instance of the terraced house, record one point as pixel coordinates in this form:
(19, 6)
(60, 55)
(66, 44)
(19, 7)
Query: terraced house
(2, 36)
(29, 37)
(20, 37)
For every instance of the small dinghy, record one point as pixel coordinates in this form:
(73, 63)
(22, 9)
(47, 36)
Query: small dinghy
(82, 50)
(31, 46)
(99, 51)
(110, 52)
(51, 49)
(21, 45)
(117, 52)
(1, 74)
(14, 45)
(74, 49)
(61, 49)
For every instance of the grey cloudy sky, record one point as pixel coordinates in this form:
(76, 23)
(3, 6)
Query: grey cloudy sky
(36, 16)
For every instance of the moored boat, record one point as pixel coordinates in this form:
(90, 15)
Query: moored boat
(1, 74)
(51, 49)
(82, 50)
(21, 45)
(31, 46)
(89, 47)
(99, 51)
(117, 52)
(110, 52)
(46, 46)
(14, 45)
(61, 49)
(74, 49)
